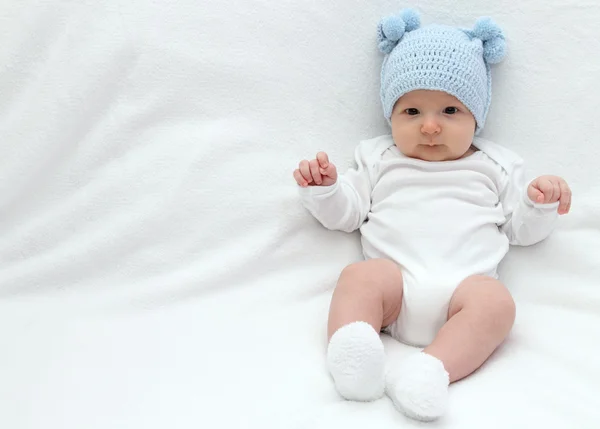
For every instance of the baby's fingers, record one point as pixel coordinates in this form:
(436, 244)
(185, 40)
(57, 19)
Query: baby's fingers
(314, 171)
(323, 160)
(536, 195)
(304, 168)
(300, 180)
(534, 192)
(330, 172)
(555, 192)
(547, 188)
(565, 199)
(326, 168)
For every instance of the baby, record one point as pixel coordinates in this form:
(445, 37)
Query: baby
(437, 207)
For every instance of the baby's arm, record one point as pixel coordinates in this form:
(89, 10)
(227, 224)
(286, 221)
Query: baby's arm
(342, 205)
(532, 209)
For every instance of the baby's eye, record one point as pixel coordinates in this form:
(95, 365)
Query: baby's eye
(450, 110)
(412, 111)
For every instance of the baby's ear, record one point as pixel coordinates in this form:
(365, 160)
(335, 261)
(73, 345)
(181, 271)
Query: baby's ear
(391, 28)
(494, 42)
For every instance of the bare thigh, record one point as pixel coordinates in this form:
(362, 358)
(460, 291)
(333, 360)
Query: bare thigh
(369, 291)
(486, 295)
(480, 316)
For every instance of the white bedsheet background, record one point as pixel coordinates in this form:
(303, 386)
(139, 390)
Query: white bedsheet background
(156, 267)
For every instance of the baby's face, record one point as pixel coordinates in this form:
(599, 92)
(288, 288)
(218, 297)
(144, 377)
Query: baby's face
(432, 126)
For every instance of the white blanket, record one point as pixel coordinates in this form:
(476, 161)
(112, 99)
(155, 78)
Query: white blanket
(156, 266)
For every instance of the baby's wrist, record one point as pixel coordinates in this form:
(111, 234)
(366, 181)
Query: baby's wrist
(320, 190)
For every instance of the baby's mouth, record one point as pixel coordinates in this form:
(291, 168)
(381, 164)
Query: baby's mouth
(431, 143)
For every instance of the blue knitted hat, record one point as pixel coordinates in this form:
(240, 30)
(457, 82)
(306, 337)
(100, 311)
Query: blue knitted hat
(439, 57)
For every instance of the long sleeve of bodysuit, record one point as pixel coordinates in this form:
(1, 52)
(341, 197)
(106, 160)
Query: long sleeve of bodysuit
(527, 222)
(344, 205)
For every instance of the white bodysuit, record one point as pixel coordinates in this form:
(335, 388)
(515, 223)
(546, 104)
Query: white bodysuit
(441, 222)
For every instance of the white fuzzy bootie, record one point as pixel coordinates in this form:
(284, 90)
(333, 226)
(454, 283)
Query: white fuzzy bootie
(418, 387)
(356, 361)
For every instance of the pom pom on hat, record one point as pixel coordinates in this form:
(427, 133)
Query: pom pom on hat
(411, 18)
(391, 29)
(494, 43)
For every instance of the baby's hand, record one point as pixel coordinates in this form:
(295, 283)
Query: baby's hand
(317, 172)
(550, 189)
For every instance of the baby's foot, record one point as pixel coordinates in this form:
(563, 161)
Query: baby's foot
(356, 361)
(418, 387)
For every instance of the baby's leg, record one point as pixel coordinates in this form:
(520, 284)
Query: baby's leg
(480, 316)
(368, 291)
(368, 296)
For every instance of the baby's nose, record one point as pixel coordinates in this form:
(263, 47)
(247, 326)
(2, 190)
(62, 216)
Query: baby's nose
(430, 127)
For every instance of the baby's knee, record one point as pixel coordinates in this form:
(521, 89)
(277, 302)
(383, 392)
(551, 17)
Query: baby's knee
(500, 310)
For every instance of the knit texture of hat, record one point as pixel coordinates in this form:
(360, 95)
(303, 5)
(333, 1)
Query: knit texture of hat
(438, 57)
